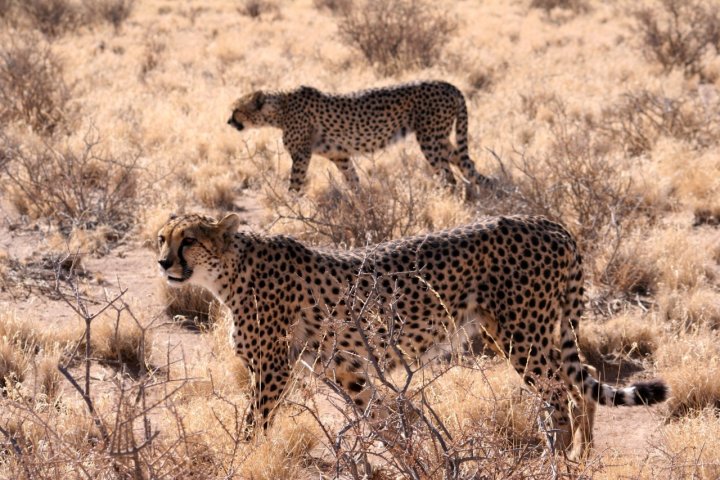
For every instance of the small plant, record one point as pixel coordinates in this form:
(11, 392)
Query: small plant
(32, 89)
(397, 35)
(680, 33)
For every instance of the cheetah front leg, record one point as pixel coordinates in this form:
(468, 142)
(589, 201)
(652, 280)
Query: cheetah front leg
(271, 378)
(298, 174)
(298, 142)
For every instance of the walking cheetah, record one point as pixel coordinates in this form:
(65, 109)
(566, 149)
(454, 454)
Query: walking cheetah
(338, 126)
(517, 281)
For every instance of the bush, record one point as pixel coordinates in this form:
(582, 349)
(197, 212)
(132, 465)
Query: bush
(5, 8)
(640, 118)
(575, 182)
(396, 35)
(257, 8)
(395, 203)
(114, 12)
(72, 188)
(680, 33)
(51, 17)
(31, 85)
(335, 6)
(193, 306)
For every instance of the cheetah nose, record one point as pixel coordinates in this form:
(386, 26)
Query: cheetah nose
(165, 264)
(237, 125)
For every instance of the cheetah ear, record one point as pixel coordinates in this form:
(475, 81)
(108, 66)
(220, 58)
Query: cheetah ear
(229, 224)
(258, 100)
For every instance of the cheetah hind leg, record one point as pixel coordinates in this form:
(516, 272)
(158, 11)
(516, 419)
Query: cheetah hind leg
(345, 165)
(582, 416)
(437, 154)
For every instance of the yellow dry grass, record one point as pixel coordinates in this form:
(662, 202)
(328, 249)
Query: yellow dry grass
(160, 86)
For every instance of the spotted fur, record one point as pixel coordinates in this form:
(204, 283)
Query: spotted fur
(517, 281)
(339, 126)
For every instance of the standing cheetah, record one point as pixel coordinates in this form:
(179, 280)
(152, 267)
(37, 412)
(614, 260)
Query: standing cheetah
(338, 126)
(516, 281)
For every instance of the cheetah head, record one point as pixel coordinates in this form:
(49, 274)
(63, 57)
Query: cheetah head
(191, 248)
(255, 109)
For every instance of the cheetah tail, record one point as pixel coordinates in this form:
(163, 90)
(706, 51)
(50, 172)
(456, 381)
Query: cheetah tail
(461, 155)
(640, 393)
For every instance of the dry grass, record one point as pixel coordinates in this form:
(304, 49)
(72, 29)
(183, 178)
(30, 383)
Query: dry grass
(686, 448)
(489, 398)
(611, 130)
(691, 365)
(628, 335)
(51, 17)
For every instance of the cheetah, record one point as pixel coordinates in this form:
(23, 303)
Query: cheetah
(338, 126)
(517, 281)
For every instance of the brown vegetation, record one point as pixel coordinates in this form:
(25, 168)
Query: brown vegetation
(112, 116)
(396, 35)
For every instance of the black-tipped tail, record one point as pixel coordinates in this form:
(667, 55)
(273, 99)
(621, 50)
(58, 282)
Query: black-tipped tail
(649, 393)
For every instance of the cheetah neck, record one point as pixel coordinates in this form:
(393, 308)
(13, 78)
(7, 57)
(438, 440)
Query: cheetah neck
(229, 278)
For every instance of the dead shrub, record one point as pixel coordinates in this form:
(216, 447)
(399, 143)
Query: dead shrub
(257, 8)
(51, 17)
(194, 306)
(576, 6)
(115, 12)
(576, 182)
(119, 339)
(640, 118)
(580, 182)
(32, 89)
(394, 203)
(335, 6)
(81, 188)
(397, 35)
(679, 33)
(6, 7)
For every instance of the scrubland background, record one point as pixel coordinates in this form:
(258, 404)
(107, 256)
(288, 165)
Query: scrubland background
(602, 115)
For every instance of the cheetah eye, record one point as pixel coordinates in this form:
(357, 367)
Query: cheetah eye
(189, 241)
(161, 240)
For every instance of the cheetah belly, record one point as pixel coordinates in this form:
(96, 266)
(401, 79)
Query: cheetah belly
(358, 138)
